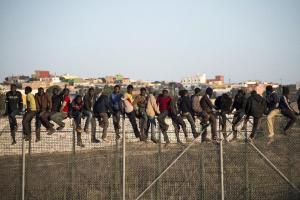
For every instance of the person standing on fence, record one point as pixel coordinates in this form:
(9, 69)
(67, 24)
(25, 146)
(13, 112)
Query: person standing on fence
(298, 102)
(152, 110)
(208, 108)
(256, 106)
(287, 110)
(115, 103)
(272, 100)
(239, 104)
(140, 104)
(163, 101)
(197, 110)
(43, 107)
(102, 112)
(61, 106)
(129, 110)
(76, 112)
(185, 108)
(88, 103)
(177, 120)
(29, 113)
(14, 106)
(223, 105)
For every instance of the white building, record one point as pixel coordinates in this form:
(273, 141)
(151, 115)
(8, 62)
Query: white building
(194, 80)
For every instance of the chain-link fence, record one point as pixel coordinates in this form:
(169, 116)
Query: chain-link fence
(56, 168)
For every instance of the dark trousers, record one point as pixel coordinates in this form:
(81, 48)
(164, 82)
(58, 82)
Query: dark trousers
(190, 119)
(132, 119)
(161, 120)
(77, 118)
(292, 118)
(13, 122)
(178, 121)
(26, 122)
(45, 119)
(256, 124)
(213, 124)
(143, 121)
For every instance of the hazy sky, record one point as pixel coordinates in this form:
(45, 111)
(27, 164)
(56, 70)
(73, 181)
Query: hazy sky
(154, 40)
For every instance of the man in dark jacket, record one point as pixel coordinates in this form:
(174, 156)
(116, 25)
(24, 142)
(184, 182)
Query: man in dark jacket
(185, 108)
(286, 109)
(272, 100)
(255, 107)
(43, 108)
(208, 108)
(14, 105)
(101, 112)
(115, 103)
(239, 105)
(223, 105)
(88, 102)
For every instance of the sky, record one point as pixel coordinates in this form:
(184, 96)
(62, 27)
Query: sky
(152, 40)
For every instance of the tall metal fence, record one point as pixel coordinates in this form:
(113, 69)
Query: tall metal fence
(55, 168)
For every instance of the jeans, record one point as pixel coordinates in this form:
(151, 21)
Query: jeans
(270, 121)
(58, 118)
(190, 119)
(116, 116)
(77, 118)
(104, 123)
(161, 120)
(213, 123)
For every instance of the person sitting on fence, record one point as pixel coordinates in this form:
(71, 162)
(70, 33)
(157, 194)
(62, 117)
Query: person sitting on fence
(140, 104)
(115, 103)
(163, 101)
(197, 110)
(102, 113)
(61, 106)
(89, 100)
(29, 113)
(185, 108)
(298, 102)
(239, 104)
(152, 110)
(287, 110)
(177, 120)
(208, 108)
(256, 106)
(14, 106)
(272, 100)
(43, 108)
(76, 112)
(130, 113)
(88, 103)
(223, 105)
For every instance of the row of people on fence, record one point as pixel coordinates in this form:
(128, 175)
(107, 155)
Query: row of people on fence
(147, 108)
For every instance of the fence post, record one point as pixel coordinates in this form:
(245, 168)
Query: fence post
(221, 161)
(246, 167)
(23, 168)
(124, 160)
(158, 167)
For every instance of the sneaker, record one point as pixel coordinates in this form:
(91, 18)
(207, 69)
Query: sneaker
(206, 140)
(79, 130)
(188, 139)
(13, 142)
(60, 128)
(215, 141)
(95, 140)
(80, 144)
(270, 141)
(234, 139)
(204, 126)
(86, 131)
(26, 137)
(154, 140)
(250, 140)
(118, 136)
(50, 131)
